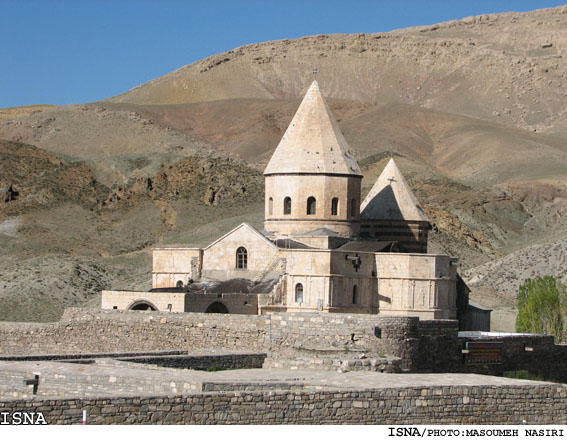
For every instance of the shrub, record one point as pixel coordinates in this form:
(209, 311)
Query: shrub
(542, 305)
(215, 368)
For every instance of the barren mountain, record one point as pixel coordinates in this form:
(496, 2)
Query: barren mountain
(506, 66)
(473, 110)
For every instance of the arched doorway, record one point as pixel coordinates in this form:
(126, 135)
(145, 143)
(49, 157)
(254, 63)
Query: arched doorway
(142, 305)
(217, 308)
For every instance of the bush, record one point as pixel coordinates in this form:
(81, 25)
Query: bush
(215, 368)
(542, 306)
(522, 375)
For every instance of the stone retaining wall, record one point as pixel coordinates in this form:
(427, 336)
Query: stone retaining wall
(83, 330)
(538, 404)
(87, 356)
(438, 349)
(203, 362)
(329, 364)
(422, 346)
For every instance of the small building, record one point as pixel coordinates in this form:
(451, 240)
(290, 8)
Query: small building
(321, 249)
(476, 318)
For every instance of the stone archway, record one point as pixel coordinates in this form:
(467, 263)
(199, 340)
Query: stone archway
(217, 308)
(142, 305)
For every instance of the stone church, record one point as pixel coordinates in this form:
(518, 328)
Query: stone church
(321, 248)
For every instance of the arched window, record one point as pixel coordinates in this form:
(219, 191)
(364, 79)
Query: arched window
(179, 284)
(311, 205)
(241, 258)
(354, 295)
(353, 207)
(287, 205)
(334, 206)
(299, 293)
(271, 206)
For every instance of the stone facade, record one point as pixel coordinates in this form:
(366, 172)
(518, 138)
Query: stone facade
(220, 257)
(234, 303)
(160, 301)
(173, 266)
(323, 189)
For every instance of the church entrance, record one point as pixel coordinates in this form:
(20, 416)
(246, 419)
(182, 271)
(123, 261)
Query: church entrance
(217, 308)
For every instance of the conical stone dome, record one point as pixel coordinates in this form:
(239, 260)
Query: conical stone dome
(391, 198)
(312, 182)
(313, 142)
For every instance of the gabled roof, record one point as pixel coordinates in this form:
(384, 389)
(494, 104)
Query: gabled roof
(247, 226)
(391, 198)
(313, 142)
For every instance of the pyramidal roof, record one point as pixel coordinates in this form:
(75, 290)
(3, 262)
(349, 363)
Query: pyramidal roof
(313, 142)
(391, 198)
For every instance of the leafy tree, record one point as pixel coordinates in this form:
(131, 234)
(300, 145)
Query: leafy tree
(542, 307)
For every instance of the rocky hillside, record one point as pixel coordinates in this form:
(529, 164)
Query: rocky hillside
(65, 236)
(504, 67)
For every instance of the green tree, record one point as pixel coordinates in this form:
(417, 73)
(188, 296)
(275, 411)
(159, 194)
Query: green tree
(542, 307)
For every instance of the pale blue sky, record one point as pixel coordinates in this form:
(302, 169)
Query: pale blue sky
(75, 51)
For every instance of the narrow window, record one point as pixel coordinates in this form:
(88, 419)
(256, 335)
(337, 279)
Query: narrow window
(241, 258)
(354, 295)
(311, 205)
(299, 293)
(271, 206)
(353, 207)
(287, 205)
(179, 284)
(334, 206)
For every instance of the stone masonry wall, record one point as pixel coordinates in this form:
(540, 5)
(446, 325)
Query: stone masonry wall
(431, 405)
(91, 331)
(439, 349)
(426, 346)
(82, 330)
(203, 362)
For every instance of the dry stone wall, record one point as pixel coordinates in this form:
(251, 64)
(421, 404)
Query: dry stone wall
(419, 405)
(87, 331)
(426, 346)
(96, 331)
